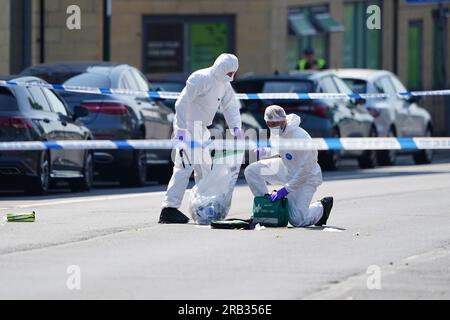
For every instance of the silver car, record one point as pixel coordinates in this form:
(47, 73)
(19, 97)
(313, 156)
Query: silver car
(395, 116)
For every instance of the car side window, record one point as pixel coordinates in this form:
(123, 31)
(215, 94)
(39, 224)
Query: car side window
(399, 87)
(124, 82)
(37, 99)
(56, 104)
(327, 85)
(384, 85)
(127, 81)
(140, 80)
(342, 87)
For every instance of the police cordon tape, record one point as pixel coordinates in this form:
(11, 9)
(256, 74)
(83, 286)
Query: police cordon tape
(241, 96)
(416, 143)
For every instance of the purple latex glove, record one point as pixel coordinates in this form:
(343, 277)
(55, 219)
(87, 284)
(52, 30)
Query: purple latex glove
(280, 194)
(180, 135)
(238, 133)
(261, 152)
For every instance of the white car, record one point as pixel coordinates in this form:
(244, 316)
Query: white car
(395, 116)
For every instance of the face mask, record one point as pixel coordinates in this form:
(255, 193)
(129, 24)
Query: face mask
(276, 131)
(227, 78)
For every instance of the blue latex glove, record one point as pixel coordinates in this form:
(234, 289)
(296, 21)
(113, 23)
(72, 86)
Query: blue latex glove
(280, 194)
(238, 133)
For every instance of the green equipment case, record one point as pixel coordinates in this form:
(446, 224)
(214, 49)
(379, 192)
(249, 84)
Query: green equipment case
(270, 214)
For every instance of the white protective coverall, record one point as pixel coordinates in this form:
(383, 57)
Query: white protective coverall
(206, 90)
(297, 170)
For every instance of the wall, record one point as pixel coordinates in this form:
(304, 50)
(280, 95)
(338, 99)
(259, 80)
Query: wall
(4, 36)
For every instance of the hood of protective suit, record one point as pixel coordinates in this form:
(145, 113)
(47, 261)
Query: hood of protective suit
(293, 122)
(224, 64)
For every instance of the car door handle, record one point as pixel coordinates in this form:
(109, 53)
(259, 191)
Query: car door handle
(46, 120)
(64, 123)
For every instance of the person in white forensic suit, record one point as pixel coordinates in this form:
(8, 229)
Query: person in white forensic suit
(297, 170)
(206, 90)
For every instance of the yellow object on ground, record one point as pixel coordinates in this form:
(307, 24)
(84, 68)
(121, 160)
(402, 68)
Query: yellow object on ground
(21, 217)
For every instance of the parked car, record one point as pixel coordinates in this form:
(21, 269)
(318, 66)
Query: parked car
(120, 117)
(395, 116)
(320, 117)
(39, 114)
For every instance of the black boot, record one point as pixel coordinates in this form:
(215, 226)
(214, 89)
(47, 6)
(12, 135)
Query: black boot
(172, 215)
(327, 204)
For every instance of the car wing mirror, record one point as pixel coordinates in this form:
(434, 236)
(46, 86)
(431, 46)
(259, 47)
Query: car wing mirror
(80, 112)
(357, 101)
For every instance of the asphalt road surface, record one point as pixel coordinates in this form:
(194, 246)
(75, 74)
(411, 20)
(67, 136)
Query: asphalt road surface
(388, 238)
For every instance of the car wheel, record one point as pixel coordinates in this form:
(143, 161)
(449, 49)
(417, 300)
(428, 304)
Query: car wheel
(136, 175)
(388, 157)
(85, 183)
(369, 158)
(424, 156)
(161, 174)
(329, 160)
(39, 185)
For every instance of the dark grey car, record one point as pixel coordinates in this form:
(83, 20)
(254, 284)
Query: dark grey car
(39, 114)
(120, 117)
(322, 118)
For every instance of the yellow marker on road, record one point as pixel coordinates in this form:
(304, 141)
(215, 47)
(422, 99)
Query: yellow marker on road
(21, 217)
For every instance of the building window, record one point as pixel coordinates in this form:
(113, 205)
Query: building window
(415, 54)
(309, 28)
(362, 46)
(183, 44)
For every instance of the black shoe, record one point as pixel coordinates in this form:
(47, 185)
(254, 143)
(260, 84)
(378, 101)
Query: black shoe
(327, 204)
(172, 215)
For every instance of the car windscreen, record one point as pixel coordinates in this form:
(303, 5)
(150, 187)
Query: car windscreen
(89, 80)
(357, 85)
(303, 86)
(8, 101)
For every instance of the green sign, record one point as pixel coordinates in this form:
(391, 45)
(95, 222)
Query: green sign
(207, 41)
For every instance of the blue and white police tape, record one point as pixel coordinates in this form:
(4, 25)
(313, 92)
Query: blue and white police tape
(416, 143)
(241, 96)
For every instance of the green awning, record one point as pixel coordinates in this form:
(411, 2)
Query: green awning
(327, 23)
(301, 25)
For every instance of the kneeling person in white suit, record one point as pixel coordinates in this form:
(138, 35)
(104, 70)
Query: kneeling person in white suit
(297, 170)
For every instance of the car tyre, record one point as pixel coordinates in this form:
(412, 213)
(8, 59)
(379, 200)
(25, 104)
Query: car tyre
(161, 174)
(136, 174)
(85, 183)
(39, 185)
(369, 158)
(329, 160)
(424, 156)
(388, 157)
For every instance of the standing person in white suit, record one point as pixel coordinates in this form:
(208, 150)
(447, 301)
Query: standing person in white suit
(206, 90)
(297, 170)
